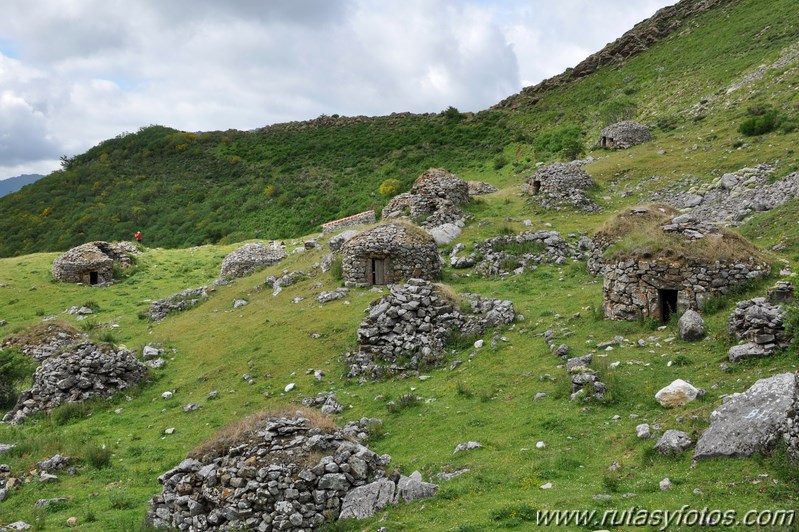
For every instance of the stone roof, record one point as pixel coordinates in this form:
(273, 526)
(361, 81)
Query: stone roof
(86, 256)
(562, 184)
(626, 134)
(437, 182)
(249, 258)
(394, 233)
(436, 196)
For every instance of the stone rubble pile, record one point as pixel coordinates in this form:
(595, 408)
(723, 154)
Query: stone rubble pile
(478, 188)
(407, 329)
(506, 254)
(44, 340)
(277, 284)
(332, 295)
(436, 195)
(561, 184)
(275, 481)
(585, 383)
(250, 258)
(177, 302)
(761, 324)
(326, 402)
(83, 371)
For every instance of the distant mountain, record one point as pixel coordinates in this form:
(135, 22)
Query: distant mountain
(12, 184)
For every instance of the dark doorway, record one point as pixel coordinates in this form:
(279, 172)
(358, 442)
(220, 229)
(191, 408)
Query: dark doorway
(604, 142)
(667, 301)
(94, 278)
(536, 187)
(377, 271)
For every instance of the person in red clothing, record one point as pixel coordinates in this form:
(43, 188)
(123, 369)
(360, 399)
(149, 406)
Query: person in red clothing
(137, 236)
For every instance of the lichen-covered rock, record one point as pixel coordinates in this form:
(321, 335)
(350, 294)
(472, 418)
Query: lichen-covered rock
(177, 302)
(673, 442)
(83, 371)
(691, 326)
(388, 254)
(408, 328)
(250, 258)
(561, 184)
(273, 478)
(753, 421)
(623, 135)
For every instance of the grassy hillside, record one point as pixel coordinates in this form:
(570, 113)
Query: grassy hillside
(697, 87)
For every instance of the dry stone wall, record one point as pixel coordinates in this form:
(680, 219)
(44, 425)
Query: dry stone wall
(177, 302)
(83, 371)
(275, 481)
(363, 218)
(405, 252)
(507, 254)
(632, 286)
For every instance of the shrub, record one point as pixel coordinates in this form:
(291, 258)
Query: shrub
(761, 124)
(404, 402)
(337, 268)
(452, 113)
(68, 412)
(462, 389)
(561, 141)
(500, 161)
(389, 187)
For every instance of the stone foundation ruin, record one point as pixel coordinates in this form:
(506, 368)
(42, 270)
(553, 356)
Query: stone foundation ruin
(388, 254)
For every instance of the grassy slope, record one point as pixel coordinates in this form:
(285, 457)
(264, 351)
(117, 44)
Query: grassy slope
(489, 398)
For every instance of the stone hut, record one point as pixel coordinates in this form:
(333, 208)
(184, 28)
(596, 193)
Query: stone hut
(561, 184)
(436, 195)
(623, 135)
(656, 264)
(388, 254)
(249, 258)
(92, 263)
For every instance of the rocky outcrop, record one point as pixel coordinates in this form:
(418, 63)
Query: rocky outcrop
(753, 421)
(274, 479)
(561, 184)
(436, 196)
(506, 254)
(93, 263)
(44, 340)
(82, 372)
(623, 135)
(177, 302)
(639, 39)
(249, 258)
(734, 196)
(408, 329)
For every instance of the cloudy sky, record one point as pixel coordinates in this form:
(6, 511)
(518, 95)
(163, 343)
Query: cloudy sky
(75, 72)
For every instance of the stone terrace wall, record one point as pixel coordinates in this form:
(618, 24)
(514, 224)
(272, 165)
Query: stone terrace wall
(363, 218)
(631, 286)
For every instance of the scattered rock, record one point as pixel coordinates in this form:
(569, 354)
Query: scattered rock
(642, 431)
(467, 446)
(691, 326)
(678, 393)
(666, 484)
(673, 442)
(177, 302)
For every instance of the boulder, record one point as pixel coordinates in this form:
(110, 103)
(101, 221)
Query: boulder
(365, 501)
(673, 442)
(747, 350)
(338, 241)
(445, 233)
(678, 393)
(691, 326)
(751, 422)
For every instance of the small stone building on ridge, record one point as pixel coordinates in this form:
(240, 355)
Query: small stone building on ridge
(658, 263)
(92, 263)
(559, 184)
(388, 254)
(623, 135)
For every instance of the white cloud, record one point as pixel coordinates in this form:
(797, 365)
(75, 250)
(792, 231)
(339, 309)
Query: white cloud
(86, 70)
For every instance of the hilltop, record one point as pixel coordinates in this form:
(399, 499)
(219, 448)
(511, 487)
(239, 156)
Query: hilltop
(12, 184)
(718, 93)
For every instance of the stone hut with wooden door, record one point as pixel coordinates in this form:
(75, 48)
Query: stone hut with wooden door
(657, 263)
(623, 135)
(388, 254)
(93, 263)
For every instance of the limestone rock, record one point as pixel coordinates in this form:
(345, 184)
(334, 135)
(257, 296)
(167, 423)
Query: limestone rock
(751, 422)
(747, 350)
(673, 442)
(678, 393)
(642, 431)
(467, 446)
(336, 242)
(691, 326)
(365, 501)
